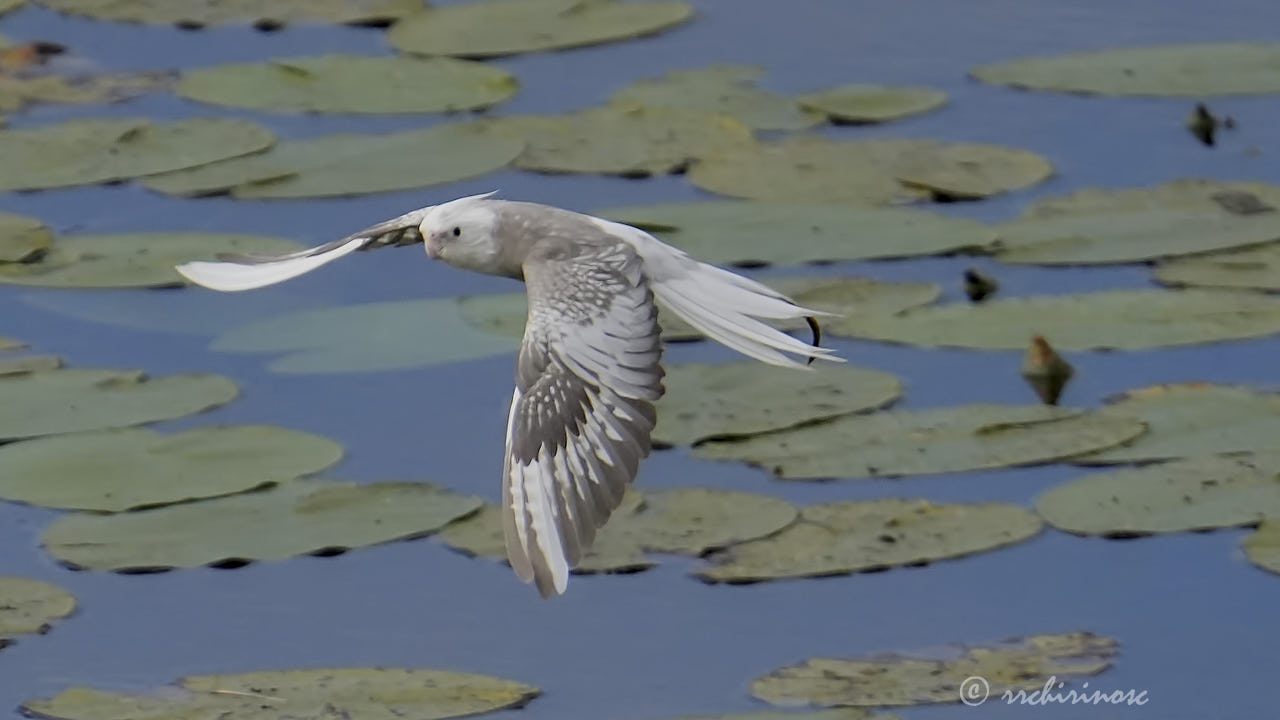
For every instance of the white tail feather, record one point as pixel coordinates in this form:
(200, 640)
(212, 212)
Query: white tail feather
(234, 276)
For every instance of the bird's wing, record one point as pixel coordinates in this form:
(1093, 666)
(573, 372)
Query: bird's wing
(236, 272)
(587, 375)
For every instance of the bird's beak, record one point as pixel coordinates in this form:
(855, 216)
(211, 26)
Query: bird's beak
(433, 246)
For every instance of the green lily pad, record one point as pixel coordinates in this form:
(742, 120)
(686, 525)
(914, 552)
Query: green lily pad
(1176, 70)
(131, 261)
(633, 142)
(866, 172)
(724, 90)
(865, 536)
(366, 338)
(349, 164)
(1251, 269)
(505, 27)
(1109, 320)
(78, 400)
(1020, 664)
(22, 238)
(18, 92)
(740, 399)
(1190, 195)
(29, 606)
(350, 693)
(84, 152)
(296, 518)
(116, 470)
(28, 364)
(352, 84)
(1193, 419)
(1262, 547)
(732, 232)
(195, 13)
(859, 103)
(919, 442)
(1196, 494)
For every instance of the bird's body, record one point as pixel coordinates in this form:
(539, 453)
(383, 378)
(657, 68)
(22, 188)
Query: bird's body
(589, 367)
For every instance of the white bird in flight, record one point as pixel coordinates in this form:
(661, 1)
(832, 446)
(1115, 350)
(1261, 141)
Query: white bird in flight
(589, 367)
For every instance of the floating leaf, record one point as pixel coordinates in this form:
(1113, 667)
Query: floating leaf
(918, 442)
(1114, 320)
(366, 338)
(739, 399)
(117, 470)
(28, 606)
(8, 344)
(1194, 419)
(867, 172)
(1181, 195)
(747, 233)
(349, 693)
(1196, 494)
(1262, 547)
(1187, 70)
(84, 152)
(18, 92)
(634, 142)
(506, 27)
(349, 164)
(267, 13)
(28, 364)
(724, 90)
(22, 238)
(864, 536)
(296, 518)
(6, 6)
(352, 84)
(892, 679)
(1251, 269)
(873, 103)
(139, 260)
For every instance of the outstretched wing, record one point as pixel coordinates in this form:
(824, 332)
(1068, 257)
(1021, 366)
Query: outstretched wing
(237, 272)
(582, 412)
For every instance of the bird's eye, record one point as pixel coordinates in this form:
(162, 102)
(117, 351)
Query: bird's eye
(457, 231)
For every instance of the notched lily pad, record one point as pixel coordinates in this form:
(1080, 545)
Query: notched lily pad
(116, 470)
(349, 164)
(351, 693)
(918, 442)
(865, 536)
(1251, 269)
(30, 606)
(79, 400)
(893, 679)
(22, 238)
(505, 27)
(84, 152)
(131, 261)
(269, 14)
(296, 518)
(866, 172)
(858, 103)
(724, 90)
(352, 84)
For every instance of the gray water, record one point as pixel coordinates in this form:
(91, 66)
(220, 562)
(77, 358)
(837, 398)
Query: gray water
(1194, 619)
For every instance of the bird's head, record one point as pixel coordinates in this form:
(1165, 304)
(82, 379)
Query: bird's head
(461, 232)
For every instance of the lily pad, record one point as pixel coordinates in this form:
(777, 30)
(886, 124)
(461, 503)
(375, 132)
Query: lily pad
(1109, 320)
(919, 442)
(866, 172)
(18, 92)
(1190, 195)
(349, 164)
(937, 677)
(84, 152)
(724, 90)
(131, 261)
(748, 233)
(196, 13)
(505, 27)
(740, 399)
(366, 338)
(79, 400)
(633, 142)
(1164, 70)
(28, 364)
(1251, 269)
(8, 344)
(1193, 419)
(350, 693)
(1196, 494)
(864, 536)
(29, 606)
(858, 103)
(1262, 547)
(6, 6)
(116, 470)
(352, 84)
(22, 238)
(296, 518)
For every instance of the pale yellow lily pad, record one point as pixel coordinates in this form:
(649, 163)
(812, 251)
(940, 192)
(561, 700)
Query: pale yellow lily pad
(862, 103)
(1250, 269)
(30, 606)
(22, 238)
(724, 90)
(196, 13)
